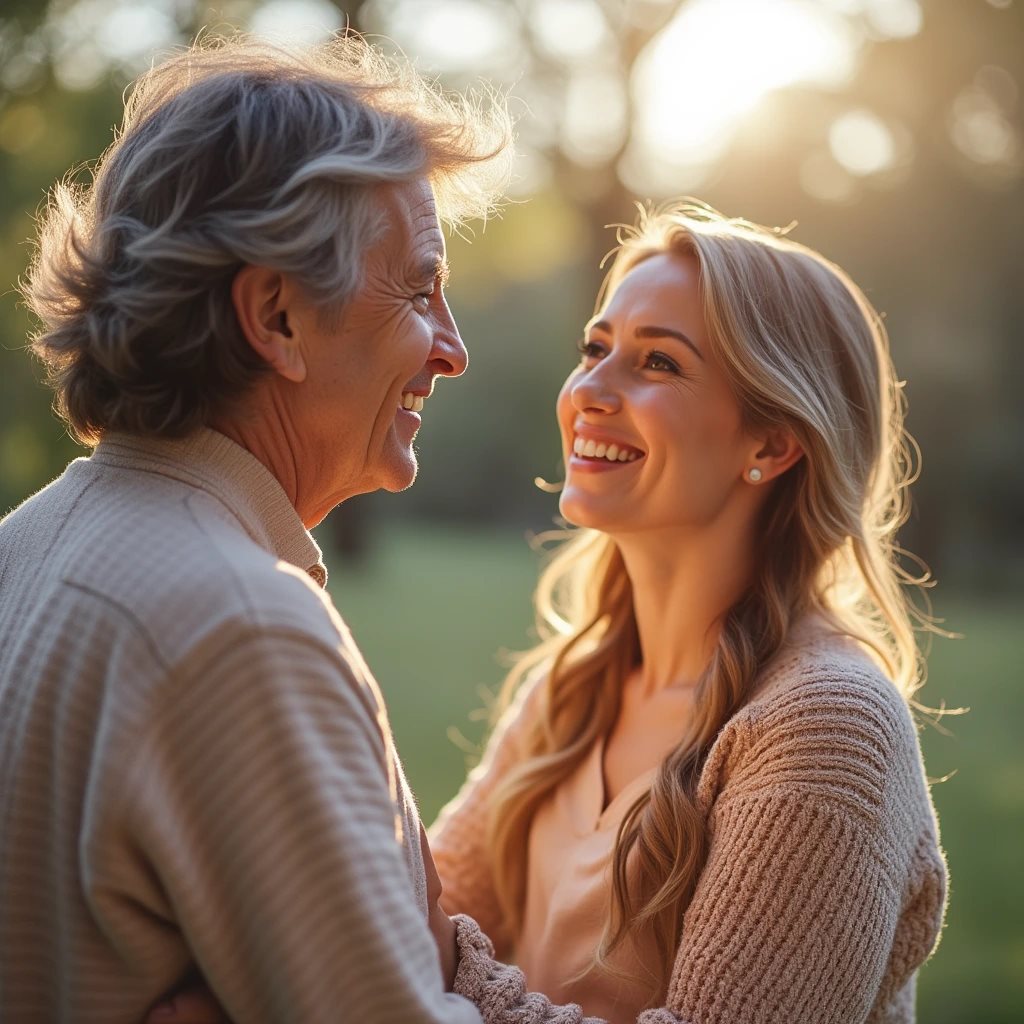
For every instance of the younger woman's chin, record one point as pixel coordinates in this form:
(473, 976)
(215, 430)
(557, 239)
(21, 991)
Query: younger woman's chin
(583, 514)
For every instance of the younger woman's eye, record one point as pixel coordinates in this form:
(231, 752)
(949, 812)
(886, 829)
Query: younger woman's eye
(659, 361)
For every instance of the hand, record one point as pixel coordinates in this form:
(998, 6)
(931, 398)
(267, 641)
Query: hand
(441, 925)
(191, 1006)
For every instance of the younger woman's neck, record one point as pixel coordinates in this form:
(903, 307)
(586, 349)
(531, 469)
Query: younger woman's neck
(682, 586)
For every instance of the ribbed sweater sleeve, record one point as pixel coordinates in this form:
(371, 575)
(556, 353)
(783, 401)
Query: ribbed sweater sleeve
(795, 911)
(264, 812)
(793, 917)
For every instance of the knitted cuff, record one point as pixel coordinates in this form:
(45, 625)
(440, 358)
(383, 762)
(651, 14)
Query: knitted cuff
(498, 990)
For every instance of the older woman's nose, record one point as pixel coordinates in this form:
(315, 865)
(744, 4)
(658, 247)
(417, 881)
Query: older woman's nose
(449, 357)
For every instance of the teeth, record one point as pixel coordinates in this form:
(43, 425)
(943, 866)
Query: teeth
(414, 403)
(601, 450)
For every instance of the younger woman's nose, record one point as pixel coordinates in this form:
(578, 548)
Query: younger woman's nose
(591, 391)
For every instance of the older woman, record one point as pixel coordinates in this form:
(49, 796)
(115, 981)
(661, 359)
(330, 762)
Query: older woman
(243, 315)
(707, 800)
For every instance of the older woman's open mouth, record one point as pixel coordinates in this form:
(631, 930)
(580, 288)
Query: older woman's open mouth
(412, 402)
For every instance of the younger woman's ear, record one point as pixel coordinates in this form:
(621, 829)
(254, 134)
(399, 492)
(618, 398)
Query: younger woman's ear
(778, 450)
(259, 296)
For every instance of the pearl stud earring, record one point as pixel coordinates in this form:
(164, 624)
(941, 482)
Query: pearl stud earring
(754, 475)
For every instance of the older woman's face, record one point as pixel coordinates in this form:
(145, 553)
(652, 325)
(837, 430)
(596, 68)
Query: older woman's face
(394, 338)
(651, 432)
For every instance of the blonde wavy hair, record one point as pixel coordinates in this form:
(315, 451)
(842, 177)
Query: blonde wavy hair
(803, 349)
(235, 152)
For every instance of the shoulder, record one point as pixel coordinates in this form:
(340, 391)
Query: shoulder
(181, 568)
(829, 681)
(824, 720)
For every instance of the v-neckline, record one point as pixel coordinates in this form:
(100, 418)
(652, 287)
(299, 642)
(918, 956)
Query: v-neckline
(602, 811)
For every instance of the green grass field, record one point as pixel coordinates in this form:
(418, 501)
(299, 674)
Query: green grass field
(433, 608)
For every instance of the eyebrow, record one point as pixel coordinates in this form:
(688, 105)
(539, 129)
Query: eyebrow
(652, 331)
(436, 268)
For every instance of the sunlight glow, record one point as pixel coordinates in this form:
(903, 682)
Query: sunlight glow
(305, 22)
(713, 64)
(824, 178)
(983, 133)
(862, 142)
(569, 29)
(131, 33)
(595, 116)
(982, 121)
(886, 19)
(454, 35)
(895, 19)
(90, 37)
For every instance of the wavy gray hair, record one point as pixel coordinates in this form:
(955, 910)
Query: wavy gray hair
(235, 152)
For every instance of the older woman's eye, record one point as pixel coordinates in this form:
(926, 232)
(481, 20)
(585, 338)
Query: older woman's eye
(421, 300)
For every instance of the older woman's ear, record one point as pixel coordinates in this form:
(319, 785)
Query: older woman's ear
(260, 297)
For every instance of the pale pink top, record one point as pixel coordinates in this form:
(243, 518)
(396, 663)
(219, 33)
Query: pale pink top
(568, 896)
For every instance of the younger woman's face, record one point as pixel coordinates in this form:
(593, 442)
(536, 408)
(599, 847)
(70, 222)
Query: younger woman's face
(651, 432)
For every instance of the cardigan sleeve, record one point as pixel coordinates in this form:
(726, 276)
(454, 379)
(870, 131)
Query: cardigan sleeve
(792, 921)
(458, 836)
(263, 808)
(794, 914)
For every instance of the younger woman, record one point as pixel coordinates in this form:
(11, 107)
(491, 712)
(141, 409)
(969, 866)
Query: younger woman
(707, 793)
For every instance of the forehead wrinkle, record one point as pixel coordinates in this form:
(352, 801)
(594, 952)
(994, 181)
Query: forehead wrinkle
(422, 215)
(412, 220)
(426, 246)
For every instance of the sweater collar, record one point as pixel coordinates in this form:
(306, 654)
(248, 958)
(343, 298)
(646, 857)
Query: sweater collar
(213, 463)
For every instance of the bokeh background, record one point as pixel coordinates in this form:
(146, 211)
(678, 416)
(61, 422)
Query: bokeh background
(890, 131)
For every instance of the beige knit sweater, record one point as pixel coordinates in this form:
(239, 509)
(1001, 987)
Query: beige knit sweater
(825, 885)
(196, 771)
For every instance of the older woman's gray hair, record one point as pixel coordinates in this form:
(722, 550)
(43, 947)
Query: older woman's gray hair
(232, 153)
